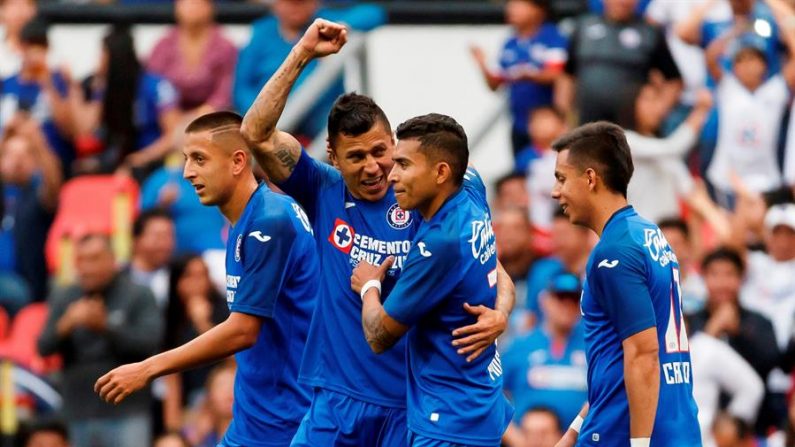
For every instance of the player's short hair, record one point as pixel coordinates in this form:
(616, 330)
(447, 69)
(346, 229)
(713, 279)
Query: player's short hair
(441, 139)
(675, 223)
(724, 254)
(508, 178)
(35, 33)
(143, 219)
(547, 411)
(102, 237)
(750, 51)
(353, 114)
(54, 426)
(214, 120)
(603, 147)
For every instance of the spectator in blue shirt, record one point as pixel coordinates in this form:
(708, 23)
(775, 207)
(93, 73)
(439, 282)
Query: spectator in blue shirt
(547, 366)
(530, 61)
(274, 36)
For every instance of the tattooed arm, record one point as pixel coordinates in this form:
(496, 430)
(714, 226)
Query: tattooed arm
(276, 151)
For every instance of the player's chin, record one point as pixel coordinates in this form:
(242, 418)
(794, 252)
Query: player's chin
(404, 201)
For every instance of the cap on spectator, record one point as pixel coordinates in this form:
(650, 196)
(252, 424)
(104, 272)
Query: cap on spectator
(34, 33)
(565, 284)
(783, 214)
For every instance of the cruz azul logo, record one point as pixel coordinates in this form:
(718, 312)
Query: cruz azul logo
(483, 243)
(342, 236)
(655, 242)
(397, 217)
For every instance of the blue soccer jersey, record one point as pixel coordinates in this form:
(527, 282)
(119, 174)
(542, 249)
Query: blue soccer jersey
(632, 284)
(271, 272)
(452, 261)
(348, 230)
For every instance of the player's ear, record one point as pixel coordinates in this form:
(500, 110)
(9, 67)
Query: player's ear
(240, 161)
(443, 172)
(590, 175)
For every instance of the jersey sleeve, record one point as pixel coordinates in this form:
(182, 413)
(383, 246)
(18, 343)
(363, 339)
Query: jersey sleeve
(618, 277)
(428, 277)
(265, 258)
(474, 182)
(307, 180)
(166, 96)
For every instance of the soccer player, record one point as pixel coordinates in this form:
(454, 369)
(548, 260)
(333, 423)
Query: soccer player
(452, 261)
(271, 285)
(359, 398)
(639, 383)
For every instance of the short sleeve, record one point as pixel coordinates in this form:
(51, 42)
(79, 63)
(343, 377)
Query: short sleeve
(428, 277)
(265, 259)
(556, 55)
(618, 278)
(474, 182)
(307, 180)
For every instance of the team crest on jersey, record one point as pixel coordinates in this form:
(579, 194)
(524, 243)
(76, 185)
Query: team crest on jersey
(342, 236)
(397, 217)
(238, 243)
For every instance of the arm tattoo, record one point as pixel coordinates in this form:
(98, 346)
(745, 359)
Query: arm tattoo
(286, 158)
(379, 338)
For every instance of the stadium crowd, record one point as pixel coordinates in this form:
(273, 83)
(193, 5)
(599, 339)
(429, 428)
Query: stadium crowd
(703, 88)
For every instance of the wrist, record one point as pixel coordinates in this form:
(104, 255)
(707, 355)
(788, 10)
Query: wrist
(640, 442)
(303, 54)
(576, 424)
(371, 284)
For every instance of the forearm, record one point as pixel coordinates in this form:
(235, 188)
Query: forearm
(373, 322)
(545, 76)
(565, 91)
(642, 381)
(689, 29)
(506, 292)
(574, 428)
(214, 345)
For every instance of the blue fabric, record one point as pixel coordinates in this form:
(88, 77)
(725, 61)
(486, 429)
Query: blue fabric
(538, 278)
(271, 272)
(546, 46)
(452, 261)
(633, 284)
(155, 96)
(266, 51)
(17, 94)
(415, 440)
(535, 376)
(337, 420)
(8, 262)
(347, 230)
(198, 227)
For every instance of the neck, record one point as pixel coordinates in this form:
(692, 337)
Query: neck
(617, 19)
(222, 426)
(233, 208)
(290, 34)
(429, 209)
(558, 333)
(612, 203)
(195, 32)
(140, 264)
(527, 30)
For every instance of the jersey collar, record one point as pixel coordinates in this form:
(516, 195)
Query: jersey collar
(620, 214)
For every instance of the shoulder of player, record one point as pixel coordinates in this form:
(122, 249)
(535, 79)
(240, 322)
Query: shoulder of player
(276, 212)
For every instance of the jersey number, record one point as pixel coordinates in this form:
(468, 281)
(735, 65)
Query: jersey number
(675, 334)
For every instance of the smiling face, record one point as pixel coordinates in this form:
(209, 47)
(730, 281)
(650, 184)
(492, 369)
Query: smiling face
(365, 161)
(572, 188)
(413, 176)
(209, 168)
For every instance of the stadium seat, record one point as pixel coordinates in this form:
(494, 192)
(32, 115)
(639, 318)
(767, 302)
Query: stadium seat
(20, 345)
(104, 204)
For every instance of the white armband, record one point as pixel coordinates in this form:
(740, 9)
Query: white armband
(576, 424)
(639, 442)
(373, 283)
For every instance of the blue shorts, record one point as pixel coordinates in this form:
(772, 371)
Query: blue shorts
(415, 440)
(338, 420)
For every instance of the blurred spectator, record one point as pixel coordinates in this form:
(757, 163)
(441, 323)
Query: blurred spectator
(546, 125)
(716, 369)
(213, 418)
(611, 57)
(571, 246)
(531, 60)
(171, 439)
(750, 110)
(598, 6)
(539, 427)
(198, 228)
(194, 306)
(273, 37)
(14, 14)
(747, 332)
(131, 111)
(514, 242)
(689, 58)
(31, 175)
(730, 431)
(45, 433)
(694, 292)
(40, 92)
(661, 182)
(153, 247)
(547, 367)
(510, 192)
(196, 58)
(101, 322)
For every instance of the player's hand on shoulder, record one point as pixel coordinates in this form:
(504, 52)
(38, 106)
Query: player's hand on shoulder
(365, 271)
(120, 382)
(472, 340)
(324, 37)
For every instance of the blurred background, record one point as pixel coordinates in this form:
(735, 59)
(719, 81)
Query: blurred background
(107, 256)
